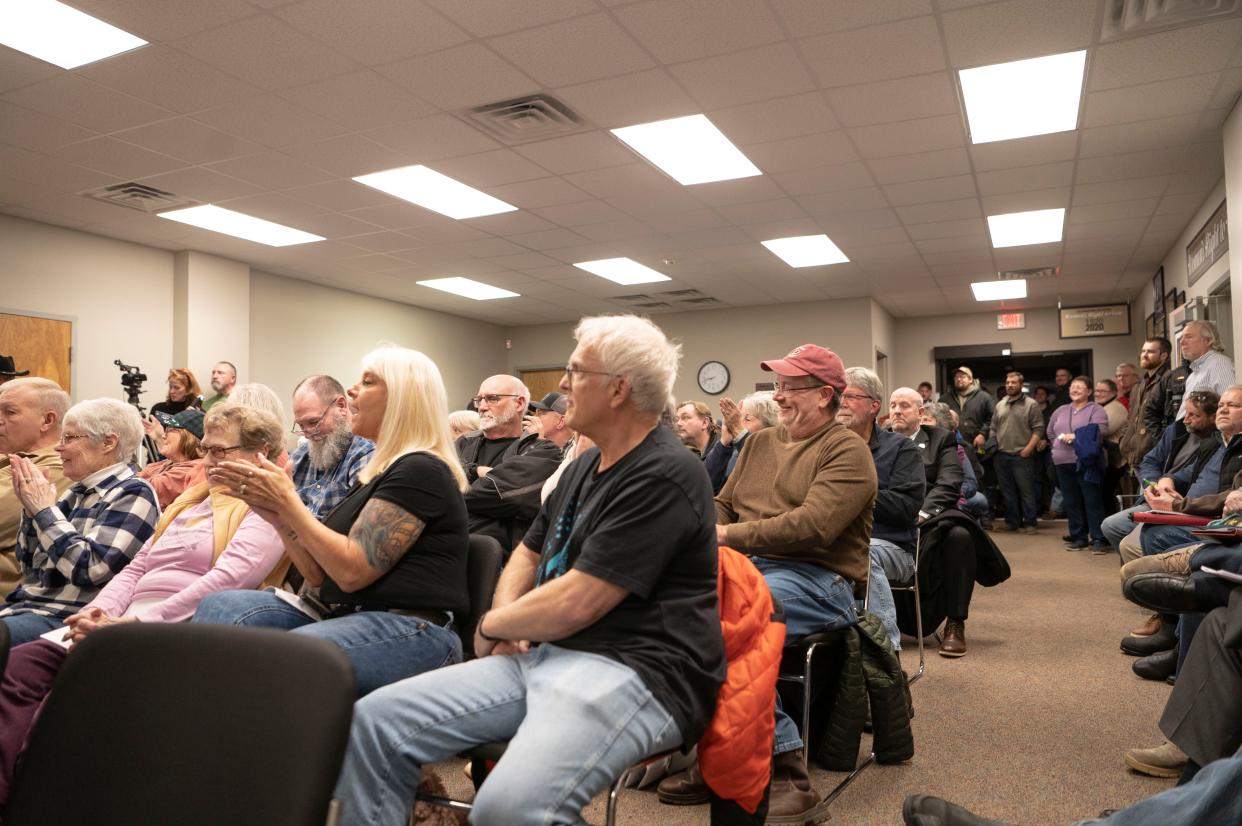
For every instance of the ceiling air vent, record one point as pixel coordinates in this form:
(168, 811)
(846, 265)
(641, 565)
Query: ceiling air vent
(705, 301)
(139, 196)
(525, 119)
(633, 298)
(654, 305)
(684, 294)
(1033, 274)
(1129, 18)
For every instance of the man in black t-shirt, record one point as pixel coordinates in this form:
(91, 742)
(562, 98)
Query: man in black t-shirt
(603, 643)
(506, 468)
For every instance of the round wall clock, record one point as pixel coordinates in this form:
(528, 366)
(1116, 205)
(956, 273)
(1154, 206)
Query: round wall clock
(713, 377)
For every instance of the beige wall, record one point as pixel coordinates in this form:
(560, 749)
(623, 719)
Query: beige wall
(741, 338)
(1175, 274)
(118, 295)
(298, 328)
(916, 337)
(216, 325)
(1233, 190)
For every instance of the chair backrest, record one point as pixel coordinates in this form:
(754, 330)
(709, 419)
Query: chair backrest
(188, 724)
(484, 559)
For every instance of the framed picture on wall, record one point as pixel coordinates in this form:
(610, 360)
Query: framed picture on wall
(1159, 327)
(1181, 299)
(1149, 326)
(1157, 294)
(1170, 301)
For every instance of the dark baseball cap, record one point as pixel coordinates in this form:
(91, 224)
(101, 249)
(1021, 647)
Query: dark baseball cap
(810, 360)
(554, 401)
(189, 420)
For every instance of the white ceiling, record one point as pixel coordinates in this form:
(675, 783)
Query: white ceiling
(850, 108)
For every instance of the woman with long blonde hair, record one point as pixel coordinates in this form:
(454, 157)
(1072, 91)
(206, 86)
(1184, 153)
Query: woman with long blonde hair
(385, 571)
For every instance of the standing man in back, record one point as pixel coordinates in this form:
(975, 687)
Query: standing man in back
(1018, 428)
(223, 380)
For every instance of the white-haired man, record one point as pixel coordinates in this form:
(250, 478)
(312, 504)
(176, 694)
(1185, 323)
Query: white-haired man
(326, 465)
(592, 675)
(1203, 353)
(505, 467)
(31, 411)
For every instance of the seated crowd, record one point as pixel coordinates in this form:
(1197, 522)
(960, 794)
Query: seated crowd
(834, 490)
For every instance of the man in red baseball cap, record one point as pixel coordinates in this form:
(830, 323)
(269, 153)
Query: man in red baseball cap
(799, 502)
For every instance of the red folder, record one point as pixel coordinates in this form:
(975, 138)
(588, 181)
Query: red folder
(1170, 518)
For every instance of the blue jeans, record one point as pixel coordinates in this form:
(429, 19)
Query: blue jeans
(1118, 526)
(815, 599)
(26, 627)
(382, 647)
(1017, 481)
(1084, 505)
(1156, 539)
(889, 563)
(574, 721)
(1210, 799)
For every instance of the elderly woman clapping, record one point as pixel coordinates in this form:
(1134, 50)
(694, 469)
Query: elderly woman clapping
(69, 549)
(754, 413)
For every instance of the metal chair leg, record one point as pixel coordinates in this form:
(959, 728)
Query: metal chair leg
(611, 811)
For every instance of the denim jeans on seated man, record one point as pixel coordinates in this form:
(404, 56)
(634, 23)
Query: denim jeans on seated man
(1157, 539)
(1119, 525)
(815, 599)
(552, 770)
(383, 647)
(889, 563)
(29, 626)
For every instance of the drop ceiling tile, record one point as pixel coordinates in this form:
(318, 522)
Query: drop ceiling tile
(364, 100)
(577, 153)
(272, 170)
(640, 179)
(86, 103)
(281, 208)
(776, 119)
(622, 230)
(117, 158)
(13, 191)
(1179, 204)
(1033, 255)
(18, 70)
(1133, 137)
(1150, 100)
(938, 189)
(899, 255)
(580, 214)
(680, 30)
(436, 229)
(539, 193)
(830, 205)
(266, 52)
(783, 209)
(348, 155)
(909, 137)
(1044, 149)
(465, 76)
(808, 151)
(1165, 55)
(484, 18)
(1132, 165)
(190, 140)
(1001, 32)
(486, 248)
(1123, 230)
(167, 78)
(1141, 208)
(864, 219)
(374, 31)
(383, 241)
(639, 97)
(920, 96)
(550, 240)
(55, 174)
(825, 179)
(271, 121)
(1112, 191)
(486, 169)
(428, 139)
(1226, 94)
(1026, 178)
(573, 51)
(1053, 198)
(34, 130)
(341, 196)
(972, 227)
(510, 223)
(744, 77)
(908, 47)
(739, 191)
(79, 210)
(856, 238)
(941, 211)
(158, 20)
(807, 17)
(941, 163)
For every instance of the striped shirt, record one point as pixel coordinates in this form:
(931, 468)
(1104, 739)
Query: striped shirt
(70, 550)
(322, 490)
(1211, 371)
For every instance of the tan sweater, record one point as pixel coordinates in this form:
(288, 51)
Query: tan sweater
(808, 500)
(11, 511)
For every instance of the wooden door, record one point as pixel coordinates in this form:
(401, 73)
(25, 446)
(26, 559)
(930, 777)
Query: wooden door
(543, 382)
(40, 345)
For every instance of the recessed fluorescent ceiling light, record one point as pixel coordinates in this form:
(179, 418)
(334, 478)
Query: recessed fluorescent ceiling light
(59, 34)
(468, 288)
(806, 250)
(1016, 229)
(998, 290)
(219, 219)
(690, 149)
(440, 193)
(622, 271)
(1023, 98)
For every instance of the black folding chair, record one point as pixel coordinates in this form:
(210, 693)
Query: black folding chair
(484, 559)
(199, 725)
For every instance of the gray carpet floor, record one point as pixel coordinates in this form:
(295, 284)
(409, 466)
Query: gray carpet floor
(1029, 727)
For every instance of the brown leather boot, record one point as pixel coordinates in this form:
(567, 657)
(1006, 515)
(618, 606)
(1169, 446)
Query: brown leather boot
(684, 788)
(793, 800)
(1148, 628)
(953, 643)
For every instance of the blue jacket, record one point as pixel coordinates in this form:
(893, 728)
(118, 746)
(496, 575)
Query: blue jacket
(901, 483)
(1158, 461)
(721, 458)
(1089, 448)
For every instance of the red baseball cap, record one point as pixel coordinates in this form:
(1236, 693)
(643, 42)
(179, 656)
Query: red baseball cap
(810, 360)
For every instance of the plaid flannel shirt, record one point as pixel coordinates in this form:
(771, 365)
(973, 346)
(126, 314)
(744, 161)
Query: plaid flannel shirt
(323, 490)
(70, 550)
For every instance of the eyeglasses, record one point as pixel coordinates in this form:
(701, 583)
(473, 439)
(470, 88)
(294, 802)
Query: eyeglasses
(781, 387)
(493, 398)
(66, 438)
(218, 452)
(312, 426)
(577, 372)
(856, 397)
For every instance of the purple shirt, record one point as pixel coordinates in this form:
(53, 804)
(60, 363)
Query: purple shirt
(1065, 419)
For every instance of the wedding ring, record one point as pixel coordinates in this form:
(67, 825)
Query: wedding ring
(251, 473)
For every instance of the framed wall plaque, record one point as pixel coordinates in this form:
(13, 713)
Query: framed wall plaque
(1157, 294)
(1208, 245)
(1099, 320)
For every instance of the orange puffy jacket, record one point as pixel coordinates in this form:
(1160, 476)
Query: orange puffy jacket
(735, 754)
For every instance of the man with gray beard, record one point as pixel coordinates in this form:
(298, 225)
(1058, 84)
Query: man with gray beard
(506, 468)
(326, 464)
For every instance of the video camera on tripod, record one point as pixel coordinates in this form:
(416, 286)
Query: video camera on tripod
(131, 380)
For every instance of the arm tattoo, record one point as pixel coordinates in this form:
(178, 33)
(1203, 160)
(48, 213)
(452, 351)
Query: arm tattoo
(385, 531)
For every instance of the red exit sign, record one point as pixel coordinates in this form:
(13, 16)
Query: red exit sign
(1011, 321)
